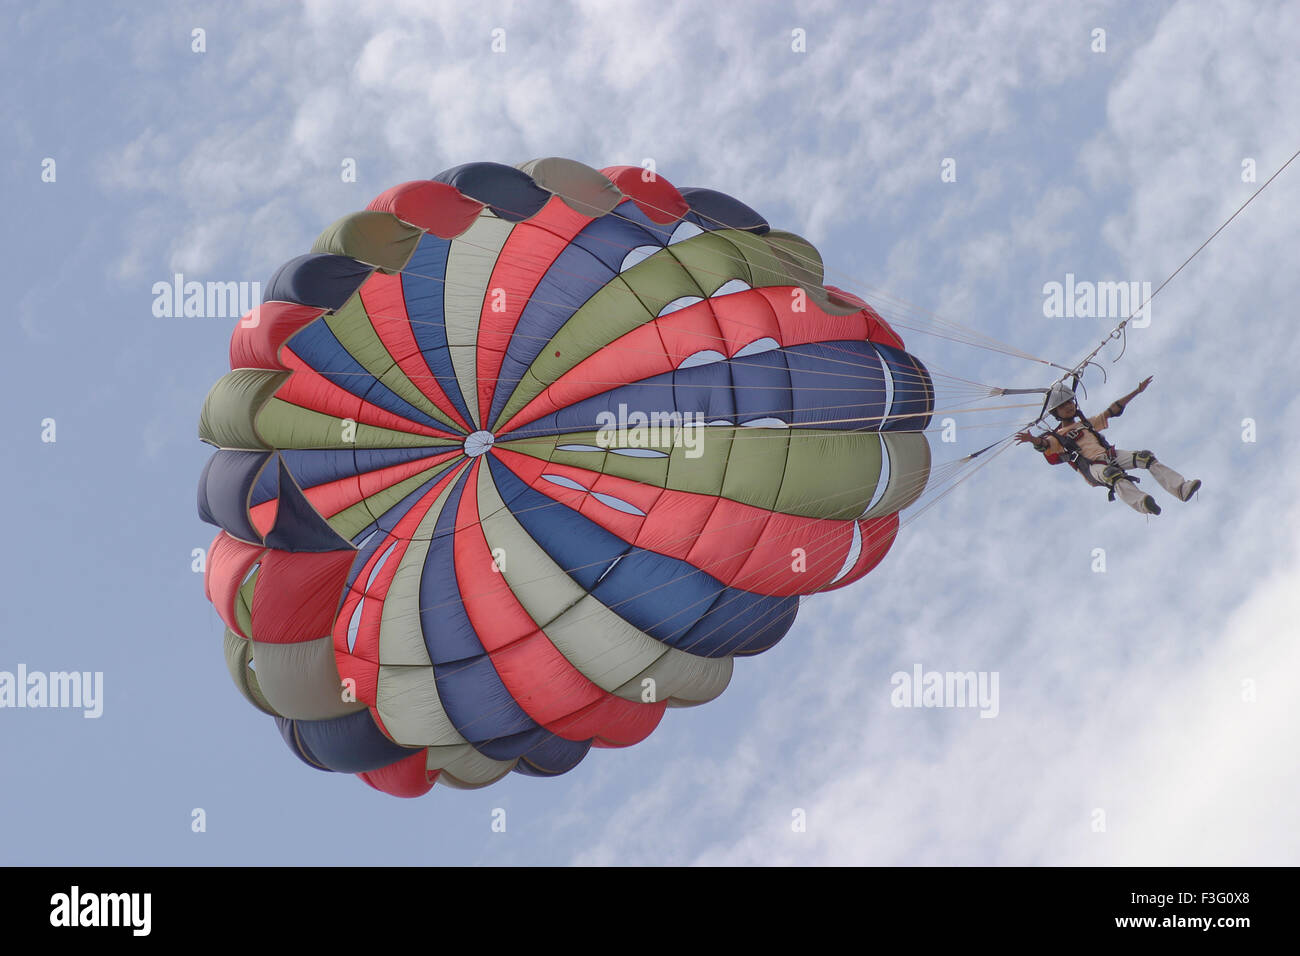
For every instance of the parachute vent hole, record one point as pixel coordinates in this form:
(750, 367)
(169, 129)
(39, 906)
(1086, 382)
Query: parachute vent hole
(613, 564)
(883, 484)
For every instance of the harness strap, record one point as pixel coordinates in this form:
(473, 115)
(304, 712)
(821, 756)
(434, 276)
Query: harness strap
(1076, 456)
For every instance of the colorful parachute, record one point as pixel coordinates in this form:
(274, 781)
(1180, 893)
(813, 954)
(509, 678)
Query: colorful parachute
(518, 457)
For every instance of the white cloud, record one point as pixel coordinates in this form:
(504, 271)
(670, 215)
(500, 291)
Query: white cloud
(1120, 691)
(715, 97)
(1145, 722)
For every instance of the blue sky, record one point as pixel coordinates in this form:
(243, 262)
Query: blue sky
(1159, 692)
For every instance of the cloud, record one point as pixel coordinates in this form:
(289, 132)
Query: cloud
(1116, 712)
(711, 95)
(1122, 692)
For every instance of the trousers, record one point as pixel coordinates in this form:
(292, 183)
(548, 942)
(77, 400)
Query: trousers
(1127, 491)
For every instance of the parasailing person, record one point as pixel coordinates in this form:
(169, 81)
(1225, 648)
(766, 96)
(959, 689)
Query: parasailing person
(1078, 441)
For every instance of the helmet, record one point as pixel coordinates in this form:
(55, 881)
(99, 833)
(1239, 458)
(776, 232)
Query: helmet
(1060, 394)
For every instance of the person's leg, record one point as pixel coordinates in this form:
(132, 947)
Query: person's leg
(1126, 490)
(1129, 493)
(1170, 480)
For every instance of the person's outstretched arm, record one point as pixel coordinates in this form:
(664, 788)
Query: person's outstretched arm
(1047, 443)
(1117, 407)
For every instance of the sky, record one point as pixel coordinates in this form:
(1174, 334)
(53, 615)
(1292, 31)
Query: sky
(1146, 666)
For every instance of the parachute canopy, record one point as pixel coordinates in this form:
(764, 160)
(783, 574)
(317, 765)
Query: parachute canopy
(516, 458)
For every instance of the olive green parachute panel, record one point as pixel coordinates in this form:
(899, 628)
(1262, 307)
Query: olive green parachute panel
(376, 238)
(799, 258)
(354, 328)
(600, 644)
(471, 259)
(464, 768)
(301, 680)
(766, 268)
(704, 470)
(829, 474)
(756, 466)
(583, 450)
(581, 188)
(228, 419)
(238, 661)
(627, 301)
(710, 260)
(909, 471)
(286, 425)
(546, 448)
(692, 460)
(353, 519)
(654, 281)
(647, 471)
(408, 704)
(813, 473)
(680, 679)
(804, 263)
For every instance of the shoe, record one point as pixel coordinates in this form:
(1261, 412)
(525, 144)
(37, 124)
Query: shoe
(1189, 488)
(1150, 505)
